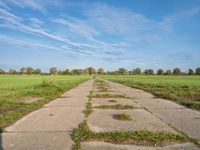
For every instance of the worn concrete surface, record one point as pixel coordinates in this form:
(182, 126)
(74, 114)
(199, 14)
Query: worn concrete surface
(109, 146)
(108, 101)
(50, 126)
(181, 118)
(102, 120)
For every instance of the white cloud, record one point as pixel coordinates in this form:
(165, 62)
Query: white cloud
(99, 21)
(118, 21)
(38, 5)
(167, 22)
(23, 43)
(78, 26)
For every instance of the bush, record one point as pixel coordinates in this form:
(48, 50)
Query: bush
(47, 83)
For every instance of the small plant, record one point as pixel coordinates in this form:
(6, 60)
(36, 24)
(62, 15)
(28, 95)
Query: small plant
(104, 89)
(112, 101)
(88, 109)
(117, 106)
(123, 116)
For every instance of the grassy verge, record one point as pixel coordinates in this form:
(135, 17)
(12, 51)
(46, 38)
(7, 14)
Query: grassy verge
(20, 87)
(149, 138)
(122, 116)
(116, 106)
(184, 90)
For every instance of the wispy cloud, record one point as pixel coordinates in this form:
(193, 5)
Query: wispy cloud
(23, 43)
(103, 31)
(78, 26)
(167, 22)
(16, 23)
(39, 5)
(115, 21)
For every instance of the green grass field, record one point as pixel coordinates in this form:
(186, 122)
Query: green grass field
(184, 90)
(15, 90)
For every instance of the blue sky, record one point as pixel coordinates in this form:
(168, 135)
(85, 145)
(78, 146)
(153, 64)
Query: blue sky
(104, 33)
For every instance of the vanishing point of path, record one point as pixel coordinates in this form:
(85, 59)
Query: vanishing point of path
(50, 127)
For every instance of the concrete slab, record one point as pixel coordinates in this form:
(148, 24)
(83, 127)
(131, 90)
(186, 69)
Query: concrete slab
(159, 103)
(49, 119)
(114, 101)
(68, 102)
(134, 93)
(185, 120)
(102, 120)
(37, 141)
(50, 126)
(109, 146)
(181, 118)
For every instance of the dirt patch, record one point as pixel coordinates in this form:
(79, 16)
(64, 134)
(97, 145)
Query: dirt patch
(31, 99)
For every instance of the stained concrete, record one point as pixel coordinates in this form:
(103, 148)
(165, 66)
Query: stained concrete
(109, 146)
(102, 120)
(50, 126)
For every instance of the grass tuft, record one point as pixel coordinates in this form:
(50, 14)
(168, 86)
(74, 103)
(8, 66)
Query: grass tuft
(117, 106)
(142, 137)
(88, 109)
(122, 116)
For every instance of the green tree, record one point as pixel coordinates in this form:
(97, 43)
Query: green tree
(29, 70)
(2, 71)
(37, 71)
(53, 70)
(160, 72)
(23, 70)
(168, 72)
(85, 71)
(66, 72)
(122, 71)
(137, 71)
(76, 71)
(148, 71)
(91, 70)
(190, 72)
(198, 71)
(176, 71)
(12, 71)
(100, 71)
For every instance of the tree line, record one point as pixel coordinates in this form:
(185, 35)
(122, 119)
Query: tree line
(90, 70)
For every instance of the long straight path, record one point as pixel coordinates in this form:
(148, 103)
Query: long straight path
(49, 127)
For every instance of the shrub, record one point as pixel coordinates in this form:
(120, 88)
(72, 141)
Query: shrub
(47, 83)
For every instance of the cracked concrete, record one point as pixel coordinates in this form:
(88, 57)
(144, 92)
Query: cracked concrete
(49, 127)
(183, 119)
(102, 121)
